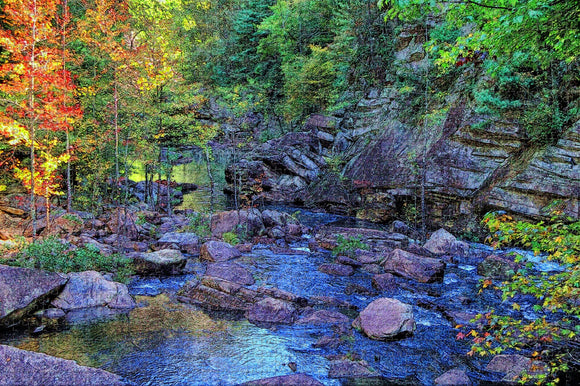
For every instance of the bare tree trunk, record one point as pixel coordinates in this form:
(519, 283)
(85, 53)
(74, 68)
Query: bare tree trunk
(169, 187)
(211, 182)
(425, 141)
(31, 128)
(116, 127)
(68, 152)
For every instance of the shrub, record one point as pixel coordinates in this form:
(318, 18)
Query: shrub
(346, 246)
(549, 328)
(199, 224)
(51, 254)
(231, 238)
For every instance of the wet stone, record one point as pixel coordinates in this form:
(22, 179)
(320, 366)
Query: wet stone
(336, 269)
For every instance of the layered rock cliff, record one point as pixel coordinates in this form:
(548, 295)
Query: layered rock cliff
(465, 163)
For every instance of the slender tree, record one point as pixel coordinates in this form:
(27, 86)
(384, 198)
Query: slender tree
(35, 88)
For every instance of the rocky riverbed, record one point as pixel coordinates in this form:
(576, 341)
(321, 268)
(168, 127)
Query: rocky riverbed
(207, 312)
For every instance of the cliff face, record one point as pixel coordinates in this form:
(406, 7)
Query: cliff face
(470, 170)
(388, 158)
(467, 170)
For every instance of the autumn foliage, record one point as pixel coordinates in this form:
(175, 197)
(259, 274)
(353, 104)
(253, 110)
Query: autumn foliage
(548, 329)
(38, 90)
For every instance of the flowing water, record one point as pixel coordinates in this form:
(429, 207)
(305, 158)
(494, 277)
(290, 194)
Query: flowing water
(164, 342)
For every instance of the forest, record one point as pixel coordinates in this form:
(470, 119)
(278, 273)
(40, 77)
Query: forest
(462, 116)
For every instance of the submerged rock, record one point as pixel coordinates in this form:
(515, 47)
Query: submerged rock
(324, 317)
(285, 380)
(230, 271)
(218, 294)
(248, 219)
(270, 310)
(23, 291)
(384, 282)
(411, 266)
(350, 369)
(336, 269)
(453, 377)
(385, 319)
(21, 367)
(513, 365)
(91, 289)
(218, 251)
(496, 267)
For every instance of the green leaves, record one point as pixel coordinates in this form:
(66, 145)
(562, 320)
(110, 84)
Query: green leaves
(557, 293)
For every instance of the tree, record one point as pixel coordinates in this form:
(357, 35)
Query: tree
(529, 49)
(35, 87)
(549, 329)
(106, 30)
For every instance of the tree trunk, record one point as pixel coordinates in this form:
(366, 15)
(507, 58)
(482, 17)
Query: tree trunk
(116, 126)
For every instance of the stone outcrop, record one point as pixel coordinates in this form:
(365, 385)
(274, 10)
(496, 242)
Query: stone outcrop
(21, 367)
(453, 377)
(385, 319)
(185, 241)
(90, 289)
(163, 262)
(411, 266)
(23, 291)
(442, 242)
(231, 272)
(285, 380)
(218, 251)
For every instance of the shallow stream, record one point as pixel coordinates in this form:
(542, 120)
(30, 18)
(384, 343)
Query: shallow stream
(164, 342)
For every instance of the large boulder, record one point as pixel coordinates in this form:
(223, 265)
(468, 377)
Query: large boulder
(411, 266)
(186, 242)
(270, 310)
(20, 367)
(231, 272)
(453, 377)
(442, 242)
(385, 319)
(163, 262)
(514, 365)
(64, 226)
(336, 269)
(496, 267)
(216, 293)
(91, 289)
(285, 380)
(218, 251)
(123, 222)
(23, 291)
(248, 220)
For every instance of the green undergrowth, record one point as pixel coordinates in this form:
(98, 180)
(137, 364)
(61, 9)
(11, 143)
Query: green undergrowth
(549, 336)
(347, 246)
(51, 254)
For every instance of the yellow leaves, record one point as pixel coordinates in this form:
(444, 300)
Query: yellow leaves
(516, 306)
